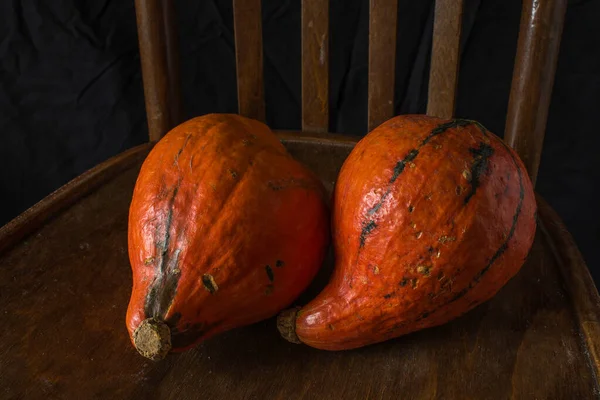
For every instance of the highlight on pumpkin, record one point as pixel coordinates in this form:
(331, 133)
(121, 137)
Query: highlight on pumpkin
(440, 220)
(225, 229)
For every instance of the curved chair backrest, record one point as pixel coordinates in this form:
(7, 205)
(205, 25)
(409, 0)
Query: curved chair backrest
(533, 76)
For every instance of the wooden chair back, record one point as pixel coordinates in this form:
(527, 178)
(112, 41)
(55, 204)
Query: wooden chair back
(533, 76)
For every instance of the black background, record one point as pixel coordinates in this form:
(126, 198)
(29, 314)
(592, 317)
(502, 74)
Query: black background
(71, 91)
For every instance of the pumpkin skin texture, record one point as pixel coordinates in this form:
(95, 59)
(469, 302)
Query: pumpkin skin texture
(439, 221)
(225, 229)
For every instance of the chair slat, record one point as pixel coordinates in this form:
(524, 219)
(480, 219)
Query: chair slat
(173, 67)
(533, 78)
(158, 53)
(443, 76)
(383, 16)
(315, 65)
(247, 22)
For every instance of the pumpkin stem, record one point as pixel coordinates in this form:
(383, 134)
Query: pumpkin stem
(152, 339)
(286, 324)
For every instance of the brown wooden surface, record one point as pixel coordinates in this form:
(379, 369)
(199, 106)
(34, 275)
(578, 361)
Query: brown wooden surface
(533, 78)
(383, 15)
(577, 278)
(445, 51)
(249, 58)
(315, 65)
(65, 288)
(160, 73)
(64, 196)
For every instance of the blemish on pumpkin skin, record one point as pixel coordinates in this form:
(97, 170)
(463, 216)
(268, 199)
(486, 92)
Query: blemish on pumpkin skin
(209, 283)
(423, 270)
(411, 208)
(148, 260)
(233, 173)
(414, 283)
(446, 239)
(467, 175)
(428, 196)
(279, 263)
(389, 295)
(459, 190)
(413, 225)
(376, 270)
(418, 235)
(331, 327)
(269, 271)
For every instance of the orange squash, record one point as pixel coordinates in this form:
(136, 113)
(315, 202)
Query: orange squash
(225, 229)
(430, 218)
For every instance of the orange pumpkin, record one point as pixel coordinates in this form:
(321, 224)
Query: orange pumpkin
(225, 229)
(430, 218)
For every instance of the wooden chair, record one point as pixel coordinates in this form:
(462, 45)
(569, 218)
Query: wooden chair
(65, 277)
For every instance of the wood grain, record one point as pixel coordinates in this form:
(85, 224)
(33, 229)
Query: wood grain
(383, 15)
(579, 283)
(159, 60)
(64, 291)
(315, 65)
(445, 52)
(66, 195)
(533, 77)
(247, 20)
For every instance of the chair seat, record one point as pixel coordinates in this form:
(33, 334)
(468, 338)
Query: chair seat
(65, 282)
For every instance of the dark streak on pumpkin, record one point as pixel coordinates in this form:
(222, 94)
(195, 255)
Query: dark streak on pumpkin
(367, 228)
(279, 263)
(269, 271)
(400, 165)
(403, 282)
(444, 127)
(163, 287)
(389, 295)
(480, 165)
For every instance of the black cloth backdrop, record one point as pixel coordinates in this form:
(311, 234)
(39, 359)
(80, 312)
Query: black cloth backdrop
(71, 90)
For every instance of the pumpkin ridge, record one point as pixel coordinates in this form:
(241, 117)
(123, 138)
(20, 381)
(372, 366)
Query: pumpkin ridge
(480, 165)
